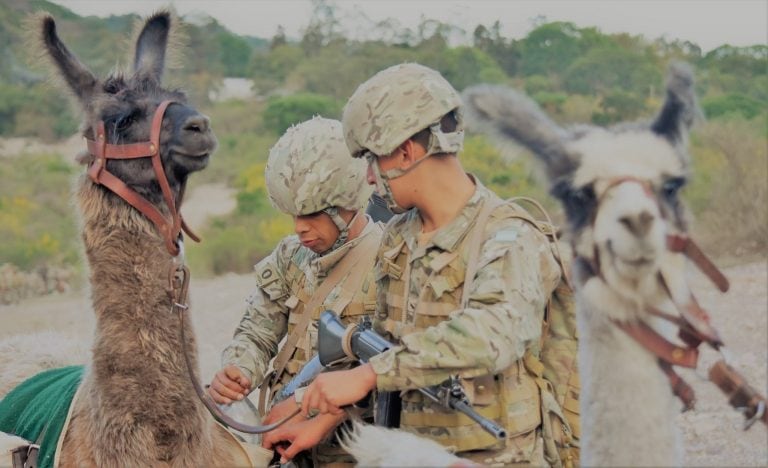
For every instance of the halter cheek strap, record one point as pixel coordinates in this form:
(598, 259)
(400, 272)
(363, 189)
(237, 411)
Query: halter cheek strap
(693, 324)
(171, 228)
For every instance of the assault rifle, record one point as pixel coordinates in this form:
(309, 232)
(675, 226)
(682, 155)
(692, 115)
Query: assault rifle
(336, 342)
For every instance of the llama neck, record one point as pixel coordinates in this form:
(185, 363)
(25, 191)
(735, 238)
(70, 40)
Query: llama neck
(138, 367)
(627, 406)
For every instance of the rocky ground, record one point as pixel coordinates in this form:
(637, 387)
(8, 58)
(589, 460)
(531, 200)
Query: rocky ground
(712, 431)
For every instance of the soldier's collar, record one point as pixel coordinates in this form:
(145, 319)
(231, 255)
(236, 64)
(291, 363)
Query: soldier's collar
(449, 236)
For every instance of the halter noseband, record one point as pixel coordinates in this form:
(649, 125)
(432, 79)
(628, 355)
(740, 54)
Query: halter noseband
(97, 171)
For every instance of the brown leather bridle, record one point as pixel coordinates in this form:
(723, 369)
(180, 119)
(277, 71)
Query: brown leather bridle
(693, 324)
(171, 228)
(178, 285)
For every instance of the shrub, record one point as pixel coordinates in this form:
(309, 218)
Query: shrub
(728, 190)
(733, 103)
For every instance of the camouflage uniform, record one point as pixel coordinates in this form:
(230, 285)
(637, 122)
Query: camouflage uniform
(490, 337)
(309, 170)
(420, 284)
(285, 280)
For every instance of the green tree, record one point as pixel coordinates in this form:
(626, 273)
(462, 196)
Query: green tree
(550, 49)
(505, 51)
(463, 66)
(235, 54)
(603, 69)
(282, 112)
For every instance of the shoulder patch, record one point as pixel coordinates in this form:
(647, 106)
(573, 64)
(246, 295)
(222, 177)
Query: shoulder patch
(506, 235)
(266, 274)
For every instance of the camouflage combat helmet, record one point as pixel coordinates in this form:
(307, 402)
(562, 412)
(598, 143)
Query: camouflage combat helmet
(309, 170)
(397, 103)
(391, 107)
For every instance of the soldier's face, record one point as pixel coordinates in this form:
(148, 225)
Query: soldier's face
(316, 231)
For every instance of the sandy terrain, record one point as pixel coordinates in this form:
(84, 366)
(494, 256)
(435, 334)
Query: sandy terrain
(14, 147)
(712, 431)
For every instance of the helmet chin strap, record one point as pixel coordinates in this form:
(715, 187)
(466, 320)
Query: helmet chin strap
(383, 188)
(343, 226)
(439, 142)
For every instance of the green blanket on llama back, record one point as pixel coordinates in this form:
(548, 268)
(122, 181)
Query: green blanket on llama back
(37, 409)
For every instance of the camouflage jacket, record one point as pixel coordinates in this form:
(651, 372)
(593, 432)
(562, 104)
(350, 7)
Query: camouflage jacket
(289, 275)
(419, 297)
(517, 274)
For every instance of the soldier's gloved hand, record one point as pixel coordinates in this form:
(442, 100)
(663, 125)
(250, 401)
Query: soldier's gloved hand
(330, 391)
(228, 385)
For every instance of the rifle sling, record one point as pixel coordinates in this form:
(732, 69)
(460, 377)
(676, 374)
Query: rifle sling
(352, 267)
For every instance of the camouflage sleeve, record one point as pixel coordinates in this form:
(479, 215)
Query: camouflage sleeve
(265, 321)
(516, 276)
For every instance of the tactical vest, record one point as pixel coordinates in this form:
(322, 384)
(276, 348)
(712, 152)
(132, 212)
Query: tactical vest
(540, 390)
(511, 398)
(363, 302)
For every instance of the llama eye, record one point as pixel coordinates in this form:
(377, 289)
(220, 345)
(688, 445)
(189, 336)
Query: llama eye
(124, 123)
(671, 187)
(582, 196)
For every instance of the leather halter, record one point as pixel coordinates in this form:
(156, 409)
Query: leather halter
(170, 229)
(693, 324)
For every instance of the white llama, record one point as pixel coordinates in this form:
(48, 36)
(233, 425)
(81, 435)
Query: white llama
(627, 226)
(619, 188)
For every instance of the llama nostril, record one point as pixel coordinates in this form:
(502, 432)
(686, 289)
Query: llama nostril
(645, 221)
(638, 224)
(197, 124)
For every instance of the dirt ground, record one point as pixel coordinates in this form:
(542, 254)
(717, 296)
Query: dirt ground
(712, 431)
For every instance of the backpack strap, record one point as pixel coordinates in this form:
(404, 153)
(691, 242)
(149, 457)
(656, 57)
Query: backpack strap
(353, 267)
(555, 239)
(474, 244)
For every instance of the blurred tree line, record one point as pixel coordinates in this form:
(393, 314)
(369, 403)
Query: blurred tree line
(576, 74)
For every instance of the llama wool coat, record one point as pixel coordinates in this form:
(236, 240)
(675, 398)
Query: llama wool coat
(420, 283)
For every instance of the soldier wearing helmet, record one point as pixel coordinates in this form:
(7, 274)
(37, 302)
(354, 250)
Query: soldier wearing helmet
(327, 264)
(462, 280)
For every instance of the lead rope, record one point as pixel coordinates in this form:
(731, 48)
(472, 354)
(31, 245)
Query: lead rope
(178, 278)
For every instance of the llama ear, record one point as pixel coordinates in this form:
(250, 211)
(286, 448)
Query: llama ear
(680, 110)
(512, 116)
(149, 57)
(80, 80)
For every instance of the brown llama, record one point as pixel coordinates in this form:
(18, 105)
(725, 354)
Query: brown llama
(135, 405)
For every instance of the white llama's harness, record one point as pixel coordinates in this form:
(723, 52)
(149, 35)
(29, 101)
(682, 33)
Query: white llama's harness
(693, 322)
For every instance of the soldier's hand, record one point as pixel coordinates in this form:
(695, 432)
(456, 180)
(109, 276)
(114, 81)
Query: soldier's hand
(281, 410)
(330, 391)
(302, 435)
(229, 384)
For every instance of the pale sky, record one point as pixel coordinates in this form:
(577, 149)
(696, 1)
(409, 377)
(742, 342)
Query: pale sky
(708, 23)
